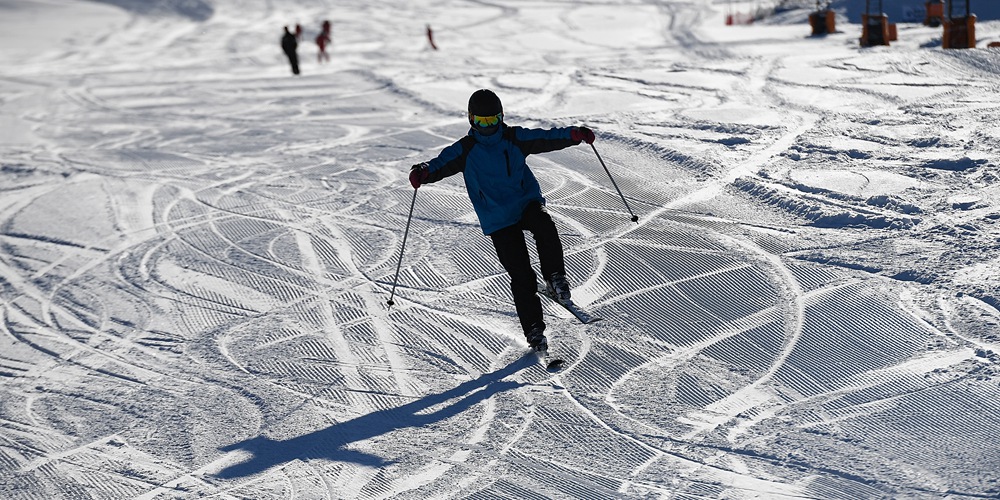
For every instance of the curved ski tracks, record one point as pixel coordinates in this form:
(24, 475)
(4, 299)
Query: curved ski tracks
(278, 285)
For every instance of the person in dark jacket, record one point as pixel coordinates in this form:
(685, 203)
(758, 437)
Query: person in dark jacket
(508, 200)
(290, 46)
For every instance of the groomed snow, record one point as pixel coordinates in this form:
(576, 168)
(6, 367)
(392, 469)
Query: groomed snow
(196, 250)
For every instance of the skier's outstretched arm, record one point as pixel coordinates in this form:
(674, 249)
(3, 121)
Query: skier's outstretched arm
(449, 162)
(535, 140)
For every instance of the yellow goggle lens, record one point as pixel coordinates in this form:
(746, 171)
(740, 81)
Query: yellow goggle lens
(486, 121)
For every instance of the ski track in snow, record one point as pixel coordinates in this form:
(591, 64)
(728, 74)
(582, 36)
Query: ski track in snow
(196, 251)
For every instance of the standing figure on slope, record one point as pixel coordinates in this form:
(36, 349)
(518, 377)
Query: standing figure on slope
(508, 200)
(430, 37)
(322, 39)
(290, 47)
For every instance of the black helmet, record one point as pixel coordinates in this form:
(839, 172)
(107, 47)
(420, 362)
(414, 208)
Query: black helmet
(484, 102)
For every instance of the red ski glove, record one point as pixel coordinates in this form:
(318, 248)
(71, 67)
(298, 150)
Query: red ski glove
(582, 134)
(418, 174)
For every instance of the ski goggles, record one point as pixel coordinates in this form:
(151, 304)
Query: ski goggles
(485, 121)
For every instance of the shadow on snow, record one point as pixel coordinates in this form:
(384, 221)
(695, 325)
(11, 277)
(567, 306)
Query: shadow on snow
(196, 10)
(330, 443)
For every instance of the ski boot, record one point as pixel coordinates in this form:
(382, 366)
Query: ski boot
(536, 339)
(557, 287)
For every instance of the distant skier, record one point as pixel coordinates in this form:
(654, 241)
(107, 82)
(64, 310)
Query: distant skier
(508, 200)
(430, 37)
(290, 46)
(322, 40)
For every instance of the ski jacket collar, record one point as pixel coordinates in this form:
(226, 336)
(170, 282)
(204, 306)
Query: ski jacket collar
(488, 140)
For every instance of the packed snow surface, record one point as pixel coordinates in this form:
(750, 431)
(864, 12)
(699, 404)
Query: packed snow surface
(197, 249)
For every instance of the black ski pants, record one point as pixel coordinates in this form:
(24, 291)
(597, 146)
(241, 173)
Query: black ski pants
(293, 58)
(512, 250)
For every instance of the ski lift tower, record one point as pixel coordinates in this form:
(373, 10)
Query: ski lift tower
(874, 27)
(959, 32)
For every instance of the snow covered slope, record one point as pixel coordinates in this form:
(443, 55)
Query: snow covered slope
(196, 249)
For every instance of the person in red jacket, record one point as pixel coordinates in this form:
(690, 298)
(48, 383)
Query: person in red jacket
(430, 37)
(322, 39)
(508, 200)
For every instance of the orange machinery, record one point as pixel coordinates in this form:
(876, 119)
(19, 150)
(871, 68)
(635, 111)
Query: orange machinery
(959, 32)
(935, 13)
(875, 27)
(823, 21)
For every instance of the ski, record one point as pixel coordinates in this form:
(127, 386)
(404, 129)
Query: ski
(580, 314)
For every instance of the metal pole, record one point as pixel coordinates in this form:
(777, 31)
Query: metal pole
(635, 218)
(406, 232)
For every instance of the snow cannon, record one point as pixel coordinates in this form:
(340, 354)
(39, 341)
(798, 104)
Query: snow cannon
(935, 13)
(959, 32)
(874, 27)
(823, 21)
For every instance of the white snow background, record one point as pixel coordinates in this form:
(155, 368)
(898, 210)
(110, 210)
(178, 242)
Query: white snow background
(196, 250)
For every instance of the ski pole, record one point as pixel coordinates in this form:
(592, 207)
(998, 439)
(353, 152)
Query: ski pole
(635, 218)
(401, 248)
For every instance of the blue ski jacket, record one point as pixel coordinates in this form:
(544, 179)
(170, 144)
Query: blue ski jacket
(498, 179)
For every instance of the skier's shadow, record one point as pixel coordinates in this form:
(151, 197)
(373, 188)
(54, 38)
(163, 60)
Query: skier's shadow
(330, 443)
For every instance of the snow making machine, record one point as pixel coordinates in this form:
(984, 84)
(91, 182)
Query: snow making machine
(935, 13)
(875, 27)
(959, 31)
(823, 20)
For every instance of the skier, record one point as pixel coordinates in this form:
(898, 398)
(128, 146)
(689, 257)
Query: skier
(430, 37)
(322, 39)
(290, 46)
(508, 200)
